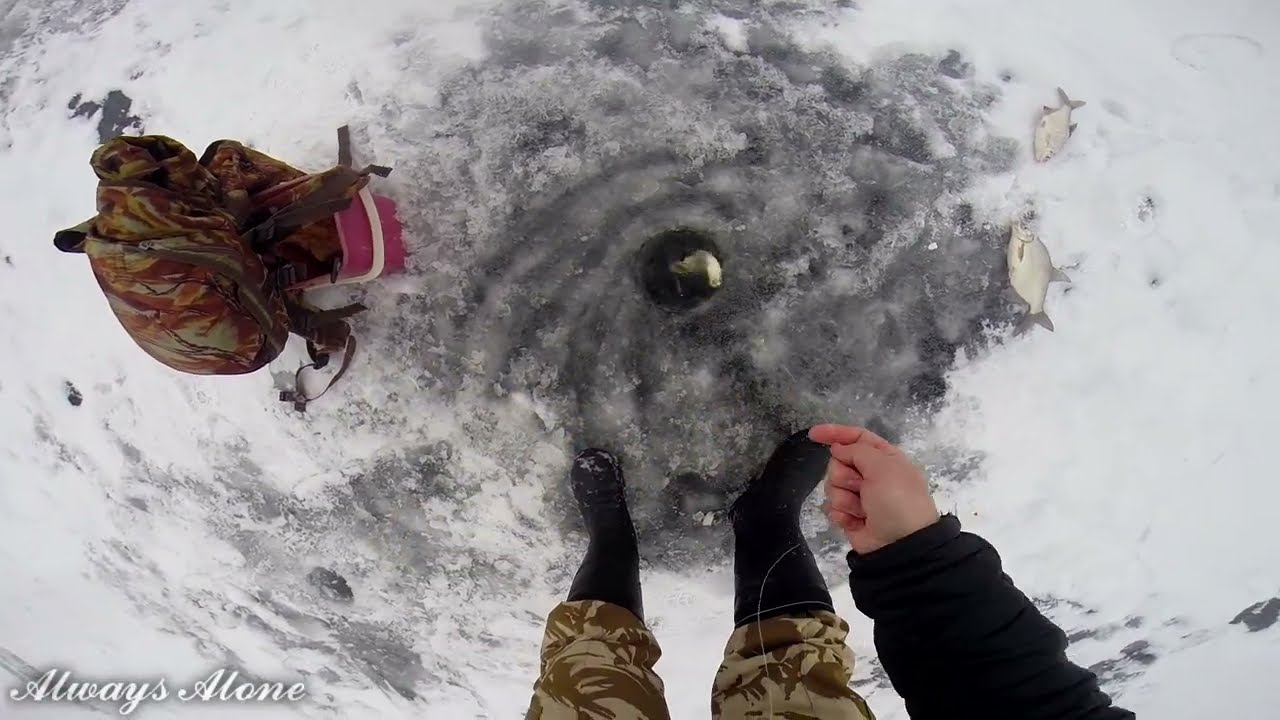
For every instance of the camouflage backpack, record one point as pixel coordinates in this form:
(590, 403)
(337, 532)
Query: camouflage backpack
(198, 258)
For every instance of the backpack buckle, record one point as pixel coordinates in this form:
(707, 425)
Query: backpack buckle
(318, 359)
(262, 237)
(291, 396)
(286, 276)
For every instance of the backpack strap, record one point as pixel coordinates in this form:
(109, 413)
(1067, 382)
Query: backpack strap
(298, 395)
(331, 197)
(305, 321)
(344, 154)
(314, 325)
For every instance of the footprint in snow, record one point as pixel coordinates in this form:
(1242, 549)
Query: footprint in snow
(1115, 109)
(73, 394)
(1146, 211)
(330, 584)
(1220, 53)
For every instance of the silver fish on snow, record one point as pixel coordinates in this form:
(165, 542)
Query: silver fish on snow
(1055, 127)
(700, 263)
(1030, 272)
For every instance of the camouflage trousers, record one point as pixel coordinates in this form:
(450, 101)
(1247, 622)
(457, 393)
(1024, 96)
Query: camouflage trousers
(597, 664)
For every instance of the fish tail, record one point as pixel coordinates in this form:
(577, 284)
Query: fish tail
(1032, 319)
(1066, 100)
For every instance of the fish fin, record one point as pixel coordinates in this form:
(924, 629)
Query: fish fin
(1028, 321)
(1059, 276)
(1072, 130)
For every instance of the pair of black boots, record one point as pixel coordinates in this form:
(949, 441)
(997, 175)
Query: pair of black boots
(774, 571)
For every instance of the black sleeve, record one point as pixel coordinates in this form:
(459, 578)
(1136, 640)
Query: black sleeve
(958, 640)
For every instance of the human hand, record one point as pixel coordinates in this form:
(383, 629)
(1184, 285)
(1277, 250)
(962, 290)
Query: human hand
(875, 494)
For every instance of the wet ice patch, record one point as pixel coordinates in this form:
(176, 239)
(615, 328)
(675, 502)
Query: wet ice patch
(831, 192)
(23, 21)
(1259, 616)
(336, 613)
(112, 114)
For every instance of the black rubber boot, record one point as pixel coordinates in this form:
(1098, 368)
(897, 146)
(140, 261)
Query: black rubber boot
(774, 572)
(611, 570)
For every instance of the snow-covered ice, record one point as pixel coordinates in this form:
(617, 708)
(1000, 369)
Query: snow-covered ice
(857, 164)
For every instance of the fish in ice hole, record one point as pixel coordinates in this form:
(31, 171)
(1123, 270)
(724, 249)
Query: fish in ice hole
(700, 263)
(1055, 127)
(1030, 272)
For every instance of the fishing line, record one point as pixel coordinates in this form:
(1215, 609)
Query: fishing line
(760, 611)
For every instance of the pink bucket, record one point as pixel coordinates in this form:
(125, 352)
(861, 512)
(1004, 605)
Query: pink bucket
(372, 240)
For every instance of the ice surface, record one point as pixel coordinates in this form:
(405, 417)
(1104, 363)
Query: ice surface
(399, 546)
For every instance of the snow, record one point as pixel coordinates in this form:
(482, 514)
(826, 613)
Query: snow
(166, 525)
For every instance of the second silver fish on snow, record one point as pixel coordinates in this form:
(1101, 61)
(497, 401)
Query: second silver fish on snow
(1030, 272)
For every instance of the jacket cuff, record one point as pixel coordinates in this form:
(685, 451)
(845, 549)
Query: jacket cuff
(908, 550)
